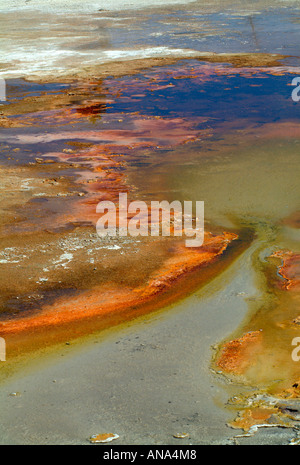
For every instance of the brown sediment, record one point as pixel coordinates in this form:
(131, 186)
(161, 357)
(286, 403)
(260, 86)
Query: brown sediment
(33, 245)
(10, 122)
(106, 437)
(241, 355)
(250, 417)
(98, 165)
(105, 304)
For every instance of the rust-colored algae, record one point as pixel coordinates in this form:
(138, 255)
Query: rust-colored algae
(103, 438)
(77, 283)
(290, 269)
(250, 417)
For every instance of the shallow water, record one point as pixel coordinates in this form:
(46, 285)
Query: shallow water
(72, 37)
